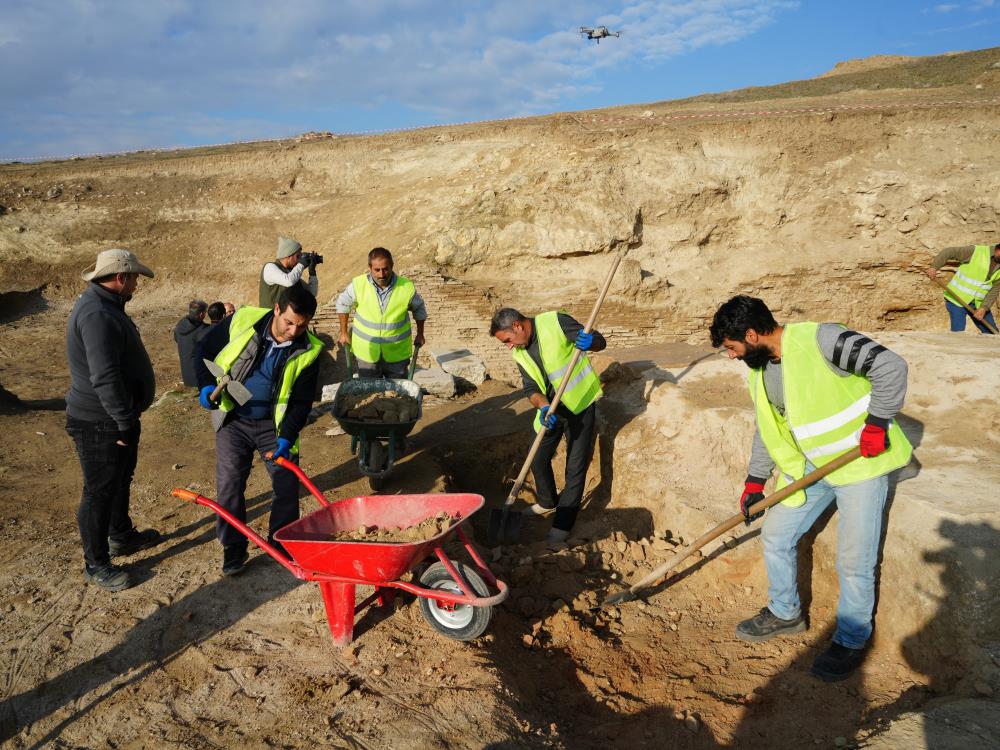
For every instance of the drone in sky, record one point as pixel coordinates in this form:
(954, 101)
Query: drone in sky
(598, 33)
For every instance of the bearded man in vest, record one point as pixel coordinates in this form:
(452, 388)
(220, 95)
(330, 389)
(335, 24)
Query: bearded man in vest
(819, 390)
(269, 351)
(380, 336)
(542, 348)
(976, 283)
(286, 270)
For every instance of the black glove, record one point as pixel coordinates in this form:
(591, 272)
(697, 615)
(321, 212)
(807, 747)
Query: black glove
(309, 261)
(753, 492)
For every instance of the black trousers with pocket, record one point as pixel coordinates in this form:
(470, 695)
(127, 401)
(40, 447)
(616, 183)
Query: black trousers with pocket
(107, 479)
(580, 432)
(235, 443)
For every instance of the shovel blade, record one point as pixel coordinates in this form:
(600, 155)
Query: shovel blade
(503, 527)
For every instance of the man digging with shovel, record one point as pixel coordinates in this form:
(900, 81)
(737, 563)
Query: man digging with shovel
(819, 390)
(543, 348)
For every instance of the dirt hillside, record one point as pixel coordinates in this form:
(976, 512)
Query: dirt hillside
(825, 197)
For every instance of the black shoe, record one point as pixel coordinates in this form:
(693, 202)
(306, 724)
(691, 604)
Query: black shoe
(234, 559)
(837, 662)
(278, 546)
(132, 541)
(765, 625)
(108, 577)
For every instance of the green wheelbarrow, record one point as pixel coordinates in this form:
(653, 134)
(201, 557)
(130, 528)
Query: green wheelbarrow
(378, 445)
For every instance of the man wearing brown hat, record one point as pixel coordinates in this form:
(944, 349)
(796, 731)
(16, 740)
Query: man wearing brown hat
(111, 384)
(286, 270)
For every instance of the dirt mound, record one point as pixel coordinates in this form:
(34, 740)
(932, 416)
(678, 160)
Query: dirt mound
(865, 64)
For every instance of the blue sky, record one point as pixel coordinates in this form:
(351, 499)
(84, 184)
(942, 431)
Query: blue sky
(96, 76)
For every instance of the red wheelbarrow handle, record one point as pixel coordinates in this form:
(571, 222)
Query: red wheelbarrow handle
(253, 536)
(293, 467)
(447, 598)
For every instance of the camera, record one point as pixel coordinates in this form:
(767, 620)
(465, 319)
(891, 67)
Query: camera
(311, 259)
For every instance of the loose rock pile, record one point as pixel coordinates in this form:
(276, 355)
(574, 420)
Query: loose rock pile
(381, 406)
(426, 529)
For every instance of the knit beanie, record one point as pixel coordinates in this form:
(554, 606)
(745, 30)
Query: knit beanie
(287, 246)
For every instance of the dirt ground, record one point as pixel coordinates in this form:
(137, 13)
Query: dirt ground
(189, 657)
(848, 206)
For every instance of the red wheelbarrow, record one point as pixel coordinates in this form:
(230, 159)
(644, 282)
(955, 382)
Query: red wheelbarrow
(454, 598)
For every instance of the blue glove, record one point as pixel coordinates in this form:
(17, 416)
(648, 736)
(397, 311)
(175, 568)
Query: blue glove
(284, 449)
(548, 420)
(584, 340)
(204, 400)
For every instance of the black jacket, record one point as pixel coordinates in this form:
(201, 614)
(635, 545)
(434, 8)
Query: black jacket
(111, 376)
(187, 333)
(300, 400)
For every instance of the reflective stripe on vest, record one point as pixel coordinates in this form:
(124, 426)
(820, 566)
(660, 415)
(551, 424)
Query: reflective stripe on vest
(824, 415)
(972, 281)
(241, 330)
(583, 388)
(375, 334)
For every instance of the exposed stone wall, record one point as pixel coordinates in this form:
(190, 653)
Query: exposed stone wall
(459, 318)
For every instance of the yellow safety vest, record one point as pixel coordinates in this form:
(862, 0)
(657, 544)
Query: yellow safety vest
(584, 387)
(824, 415)
(972, 281)
(378, 334)
(241, 330)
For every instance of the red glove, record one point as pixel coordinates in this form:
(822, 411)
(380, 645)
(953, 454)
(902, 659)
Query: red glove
(753, 492)
(874, 437)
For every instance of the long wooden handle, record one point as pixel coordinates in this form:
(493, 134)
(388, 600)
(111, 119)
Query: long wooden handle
(762, 505)
(577, 353)
(972, 312)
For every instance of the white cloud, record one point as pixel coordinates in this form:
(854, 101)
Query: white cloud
(107, 72)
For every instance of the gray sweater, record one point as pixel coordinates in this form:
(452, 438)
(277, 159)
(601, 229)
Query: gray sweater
(847, 352)
(111, 376)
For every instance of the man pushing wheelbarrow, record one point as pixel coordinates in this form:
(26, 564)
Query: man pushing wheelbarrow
(266, 368)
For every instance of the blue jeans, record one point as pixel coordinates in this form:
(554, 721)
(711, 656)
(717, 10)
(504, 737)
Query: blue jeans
(958, 315)
(859, 529)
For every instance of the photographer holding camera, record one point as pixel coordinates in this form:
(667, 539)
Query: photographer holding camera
(286, 270)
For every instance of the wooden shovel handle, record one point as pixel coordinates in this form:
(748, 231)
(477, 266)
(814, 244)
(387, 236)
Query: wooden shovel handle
(218, 391)
(519, 482)
(762, 505)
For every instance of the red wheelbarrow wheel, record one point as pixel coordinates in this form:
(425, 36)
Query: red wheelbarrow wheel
(462, 622)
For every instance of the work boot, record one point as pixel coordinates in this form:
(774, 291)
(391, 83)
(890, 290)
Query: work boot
(837, 662)
(132, 541)
(234, 558)
(108, 577)
(556, 535)
(541, 510)
(765, 625)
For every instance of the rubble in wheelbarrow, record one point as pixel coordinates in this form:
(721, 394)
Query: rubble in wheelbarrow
(426, 529)
(380, 406)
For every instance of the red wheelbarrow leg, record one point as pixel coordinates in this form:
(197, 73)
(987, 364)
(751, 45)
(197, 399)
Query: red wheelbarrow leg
(339, 601)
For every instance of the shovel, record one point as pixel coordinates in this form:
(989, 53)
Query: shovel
(237, 391)
(504, 526)
(971, 311)
(773, 499)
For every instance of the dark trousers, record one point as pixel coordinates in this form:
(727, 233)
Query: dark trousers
(235, 444)
(382, 369)
(107, 477)
(579, 431)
